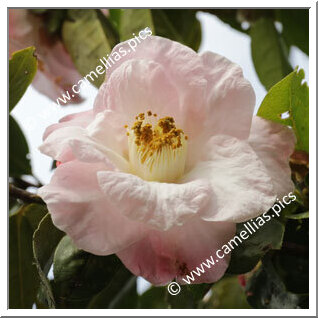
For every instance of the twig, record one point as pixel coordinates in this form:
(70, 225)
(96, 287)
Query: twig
(24, 195)
(25, 184)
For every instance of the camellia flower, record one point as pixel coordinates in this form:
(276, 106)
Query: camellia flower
(56, 72)
(167, 162)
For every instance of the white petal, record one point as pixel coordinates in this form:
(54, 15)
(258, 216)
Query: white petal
(160, 205)
(240, 185)
(274, 143)
(83, 147)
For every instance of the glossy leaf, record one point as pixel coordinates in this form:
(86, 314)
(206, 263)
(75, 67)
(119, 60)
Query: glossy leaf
(190, 296)
(292, 262)
(120, 293)
(22, 69)
(132, 21)
(266, 290)
(228, 294)
(178, 25)
(296, 27)
(39, 11)
(114, 17)
(55, 20)
(228, 16)
(80, 276)
(246, 255)
(109, 29)
(291, 97)
(23, 279)
(155, 297)
(268, 52)
(45, 240)
(87, 43)
(298, 216)
(19, 163)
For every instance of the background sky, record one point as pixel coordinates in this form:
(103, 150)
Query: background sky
(35, 111)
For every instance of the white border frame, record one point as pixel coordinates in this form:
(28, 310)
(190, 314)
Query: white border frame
(312, 142)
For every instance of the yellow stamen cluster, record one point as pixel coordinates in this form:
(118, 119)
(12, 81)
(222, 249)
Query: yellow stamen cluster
(154, 139)
(156, 145)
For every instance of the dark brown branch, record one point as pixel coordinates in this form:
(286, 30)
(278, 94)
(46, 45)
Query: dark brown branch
(20, 183)
(24, 195)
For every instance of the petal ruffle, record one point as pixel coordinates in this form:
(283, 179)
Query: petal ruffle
(162, 256)
(183, 73)
(82, 119)
(80, 209)
(138, 86)
(274, 143)
(240, 184)
(82, 147)
(160, 205)
(230, 97)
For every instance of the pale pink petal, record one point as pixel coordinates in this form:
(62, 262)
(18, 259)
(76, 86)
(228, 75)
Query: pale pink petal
(80, 209)
(22, 30)
(152, 258)
(138, 86)
(57, 73)
(162, 256)
(82, 119)
(109, 129)
(160, 205)
(183, 72)
(230, 97)
(83, 147)
(182, 65)
(240, 183)
(274, 143)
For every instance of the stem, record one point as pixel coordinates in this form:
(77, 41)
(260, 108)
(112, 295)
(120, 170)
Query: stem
(24, 195)
(25, 184)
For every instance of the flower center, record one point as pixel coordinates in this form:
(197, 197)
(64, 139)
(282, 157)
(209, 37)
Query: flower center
(157, 148)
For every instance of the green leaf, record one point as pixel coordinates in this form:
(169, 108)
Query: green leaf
(296, 27)
(190, 296)
(109, 29)
(22, 69)
(227, 293)
(228, 16)
(154, 298)
(114, 16)
(87, 43)
(133, 21)
(79, 276)
(23, 280)
(45, 239)
(39, 11)
(266, 290)
(293, 208)
(54, 20)
(179, 25)
(120, 293)
(246, 255)
(19, 163)
(298, 216)
(268, 53)
(292, 262)
(291, 96)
